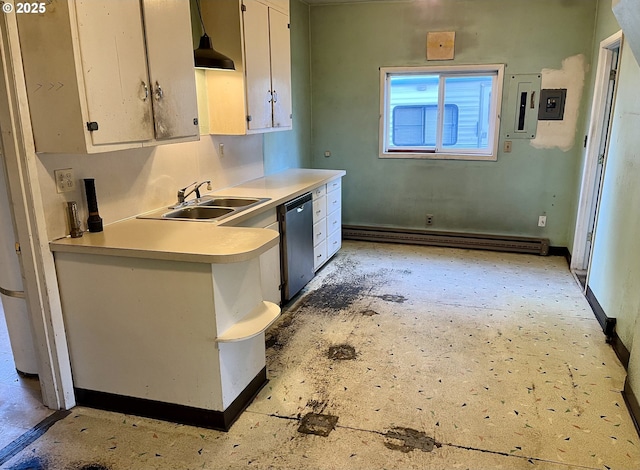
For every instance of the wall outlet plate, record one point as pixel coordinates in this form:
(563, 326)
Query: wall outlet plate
(65, 180)
(428, 219)
(542, 221)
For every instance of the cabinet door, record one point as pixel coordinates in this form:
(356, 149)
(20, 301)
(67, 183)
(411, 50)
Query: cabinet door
(171, 72)
(280, 68)
(114, 67)
(257, 64)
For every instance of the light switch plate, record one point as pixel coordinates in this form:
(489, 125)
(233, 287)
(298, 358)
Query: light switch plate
(65, 180)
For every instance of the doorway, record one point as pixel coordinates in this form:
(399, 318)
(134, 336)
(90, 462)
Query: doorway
(596, 154)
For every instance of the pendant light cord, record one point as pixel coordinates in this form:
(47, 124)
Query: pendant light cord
(204, 31)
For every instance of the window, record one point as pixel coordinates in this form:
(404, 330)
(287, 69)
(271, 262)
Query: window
(440, 112)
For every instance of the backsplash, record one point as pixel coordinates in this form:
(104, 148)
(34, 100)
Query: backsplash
(130, 182)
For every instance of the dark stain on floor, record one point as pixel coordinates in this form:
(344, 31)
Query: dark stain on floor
(32, 463)
(278, 335)
(333, 297)
(406, 439)
(369, 313)
(342, 352)
(320, 425)
(399, 299)
(92, 466)
(318, 406)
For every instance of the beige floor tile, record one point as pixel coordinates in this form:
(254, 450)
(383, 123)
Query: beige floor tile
(463, 359)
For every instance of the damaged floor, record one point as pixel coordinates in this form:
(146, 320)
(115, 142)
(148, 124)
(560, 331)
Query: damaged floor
(400, 357)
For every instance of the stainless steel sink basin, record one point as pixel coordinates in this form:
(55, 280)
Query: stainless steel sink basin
(229, 202)
(206, 209)
(198, 212)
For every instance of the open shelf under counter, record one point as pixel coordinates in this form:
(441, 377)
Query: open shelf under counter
(253, 324)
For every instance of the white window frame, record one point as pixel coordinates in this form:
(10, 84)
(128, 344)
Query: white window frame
(441, 153)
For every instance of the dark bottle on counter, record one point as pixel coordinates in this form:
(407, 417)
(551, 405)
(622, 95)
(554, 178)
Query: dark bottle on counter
(94, 222)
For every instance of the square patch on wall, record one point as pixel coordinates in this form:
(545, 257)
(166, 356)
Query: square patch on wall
(441, 45)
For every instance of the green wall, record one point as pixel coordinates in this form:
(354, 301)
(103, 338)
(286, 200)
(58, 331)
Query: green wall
(348, 45)
(292, 149)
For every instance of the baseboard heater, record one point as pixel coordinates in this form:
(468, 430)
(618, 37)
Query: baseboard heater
(477, 241)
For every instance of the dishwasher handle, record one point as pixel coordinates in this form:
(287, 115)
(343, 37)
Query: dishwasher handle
(297, 203)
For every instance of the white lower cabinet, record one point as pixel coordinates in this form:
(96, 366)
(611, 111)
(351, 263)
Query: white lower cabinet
(155, 336)
(327, 222)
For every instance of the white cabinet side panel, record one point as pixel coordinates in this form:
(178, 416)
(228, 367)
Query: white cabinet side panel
(115, 70)
(280, 68)
(270, 272)
(257, 64)
(240, 362)
(141, 328)
(236, 291)
(170, 55)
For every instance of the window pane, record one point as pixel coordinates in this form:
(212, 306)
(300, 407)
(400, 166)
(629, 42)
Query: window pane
(408, 125)
(413, 101)
(472, 97)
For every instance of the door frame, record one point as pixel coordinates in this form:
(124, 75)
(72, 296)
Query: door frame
(589, 192)
(36, 259)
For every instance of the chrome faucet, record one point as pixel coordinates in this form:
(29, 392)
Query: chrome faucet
(182, 194)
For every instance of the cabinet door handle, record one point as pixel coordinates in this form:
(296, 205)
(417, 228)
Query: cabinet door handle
(275, 96)
(158, 93)
(270, 96)
(146, 91)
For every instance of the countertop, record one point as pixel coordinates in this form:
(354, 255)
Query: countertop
(197, 241)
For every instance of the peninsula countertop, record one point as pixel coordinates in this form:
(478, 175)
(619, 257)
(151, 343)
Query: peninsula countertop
(202, 242)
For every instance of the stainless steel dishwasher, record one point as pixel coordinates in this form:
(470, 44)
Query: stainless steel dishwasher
(296, 230)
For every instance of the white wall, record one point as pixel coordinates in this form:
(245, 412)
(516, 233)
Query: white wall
(130, 182)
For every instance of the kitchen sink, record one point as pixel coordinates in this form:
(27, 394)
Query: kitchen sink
(205, 209)
(229, 202)
(198, 212)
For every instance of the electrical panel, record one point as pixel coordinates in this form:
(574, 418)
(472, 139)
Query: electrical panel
(552, 104)
(522, 108)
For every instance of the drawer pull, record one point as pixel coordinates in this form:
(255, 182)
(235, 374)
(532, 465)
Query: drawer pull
(335, 222)
(317, 212)
(319, 234)
(319, 256)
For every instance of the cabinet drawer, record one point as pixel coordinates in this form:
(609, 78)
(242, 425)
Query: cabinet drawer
(319, 255)
(333, 201)
(334, 242)
(319, 231)
(334, 185)
(319, 192)
(334, 222)
(319, 208)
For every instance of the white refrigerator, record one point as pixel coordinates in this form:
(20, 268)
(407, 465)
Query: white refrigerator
(11, 288)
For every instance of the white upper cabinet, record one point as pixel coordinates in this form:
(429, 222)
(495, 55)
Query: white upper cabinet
(104, 75)
(256, 97)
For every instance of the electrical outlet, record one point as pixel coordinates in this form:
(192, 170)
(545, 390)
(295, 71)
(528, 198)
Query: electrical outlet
(65, 180)
(542, 221)
(429, 219)
(327, 153)
(507, 146)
